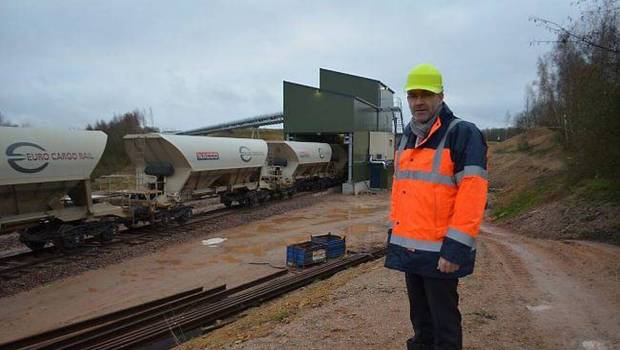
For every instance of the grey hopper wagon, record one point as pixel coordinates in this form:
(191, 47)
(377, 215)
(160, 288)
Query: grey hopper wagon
(45, 186)
(183, 167)
(293, 166)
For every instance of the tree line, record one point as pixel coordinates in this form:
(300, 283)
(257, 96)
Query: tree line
(500, 134)
(577, 90)
(114, 158)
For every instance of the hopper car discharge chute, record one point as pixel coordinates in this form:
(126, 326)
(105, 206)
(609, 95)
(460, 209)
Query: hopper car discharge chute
(297, 166)
(181, 168)
(45, 190)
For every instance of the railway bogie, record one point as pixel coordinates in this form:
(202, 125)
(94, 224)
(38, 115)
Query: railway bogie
(68, 235)
(143, 208)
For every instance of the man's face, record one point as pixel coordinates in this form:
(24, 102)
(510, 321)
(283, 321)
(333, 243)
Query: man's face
(423, 103)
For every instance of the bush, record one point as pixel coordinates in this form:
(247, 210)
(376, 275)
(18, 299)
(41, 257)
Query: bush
(114, 158)
(598, 189)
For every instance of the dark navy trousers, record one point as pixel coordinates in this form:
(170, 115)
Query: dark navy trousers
(434, 313)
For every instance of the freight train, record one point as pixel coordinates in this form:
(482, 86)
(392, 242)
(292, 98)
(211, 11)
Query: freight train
(45, 182)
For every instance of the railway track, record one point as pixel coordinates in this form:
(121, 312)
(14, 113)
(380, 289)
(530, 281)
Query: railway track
(168, 321)
(17, 265)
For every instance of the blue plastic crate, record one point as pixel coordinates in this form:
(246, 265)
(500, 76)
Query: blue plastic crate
(306, 253)
(335, 245)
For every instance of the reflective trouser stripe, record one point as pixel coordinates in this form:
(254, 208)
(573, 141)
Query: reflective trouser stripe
(461, 237)
(415, 244)
(471, 170)
(424, 176)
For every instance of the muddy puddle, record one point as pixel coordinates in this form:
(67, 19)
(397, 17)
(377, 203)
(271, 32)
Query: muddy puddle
(358, 229)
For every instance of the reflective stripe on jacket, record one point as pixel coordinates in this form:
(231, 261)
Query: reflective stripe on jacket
(438, 198)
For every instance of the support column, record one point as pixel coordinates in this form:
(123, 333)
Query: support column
(350, 163)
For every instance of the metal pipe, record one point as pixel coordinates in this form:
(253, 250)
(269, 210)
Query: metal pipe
(350, 175)
(383, 162)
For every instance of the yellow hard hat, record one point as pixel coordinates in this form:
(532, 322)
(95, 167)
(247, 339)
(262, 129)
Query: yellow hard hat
(424, 77)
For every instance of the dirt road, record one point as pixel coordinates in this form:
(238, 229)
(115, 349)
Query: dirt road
(525, 294)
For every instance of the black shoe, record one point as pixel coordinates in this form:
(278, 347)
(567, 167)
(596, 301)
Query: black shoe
(413, 344)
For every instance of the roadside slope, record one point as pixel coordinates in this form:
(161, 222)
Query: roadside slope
(532, 192)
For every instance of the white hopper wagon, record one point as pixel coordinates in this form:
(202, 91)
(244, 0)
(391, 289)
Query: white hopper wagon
(293, 166)
(45, 186)
(188, 167)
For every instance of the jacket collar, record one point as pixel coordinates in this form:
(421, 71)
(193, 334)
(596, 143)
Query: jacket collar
(445, 116)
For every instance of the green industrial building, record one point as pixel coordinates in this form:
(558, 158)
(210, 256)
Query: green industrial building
(354, 111)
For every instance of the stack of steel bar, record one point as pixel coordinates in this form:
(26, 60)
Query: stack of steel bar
(167, 321)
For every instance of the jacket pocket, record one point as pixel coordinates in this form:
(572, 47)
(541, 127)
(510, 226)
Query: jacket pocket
(444, 208)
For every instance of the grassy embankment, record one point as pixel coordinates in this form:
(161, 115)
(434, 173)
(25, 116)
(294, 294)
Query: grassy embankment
(532, 191)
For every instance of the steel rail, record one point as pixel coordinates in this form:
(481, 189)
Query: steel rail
(57, 338)
(143, 318)
(165, 317)
(211, 312)
(45, 336)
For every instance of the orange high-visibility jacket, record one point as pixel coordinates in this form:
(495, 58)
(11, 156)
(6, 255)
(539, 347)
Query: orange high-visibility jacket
(438, 198)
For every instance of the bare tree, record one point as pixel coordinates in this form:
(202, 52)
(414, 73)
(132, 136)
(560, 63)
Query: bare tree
(578, 89)
(600, 13)
(114, 158)
(4, 121)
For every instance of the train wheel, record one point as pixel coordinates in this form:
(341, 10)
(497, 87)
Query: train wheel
(34, 245)
(252, 200)
(66, 243)
(67, 240)
(109, 233)
(185, 216)
(165, 220)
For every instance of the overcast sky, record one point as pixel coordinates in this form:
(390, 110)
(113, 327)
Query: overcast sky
(195, 63)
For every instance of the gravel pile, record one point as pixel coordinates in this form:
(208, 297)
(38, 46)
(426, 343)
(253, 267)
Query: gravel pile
(101, 258)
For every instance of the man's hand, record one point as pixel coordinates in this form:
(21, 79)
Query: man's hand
(446, 266)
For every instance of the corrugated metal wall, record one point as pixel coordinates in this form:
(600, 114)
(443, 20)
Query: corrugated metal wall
(343, 104)
(361, 169)
(309, 110)
(364, 88)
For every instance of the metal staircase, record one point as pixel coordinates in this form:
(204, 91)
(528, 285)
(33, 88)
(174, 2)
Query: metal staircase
(397, 116)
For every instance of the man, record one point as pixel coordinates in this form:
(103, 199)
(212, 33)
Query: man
(438, 199)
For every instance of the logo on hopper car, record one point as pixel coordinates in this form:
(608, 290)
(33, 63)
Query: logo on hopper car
(207, 155)
(19, 157)
(30, 158)
(245, 154)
